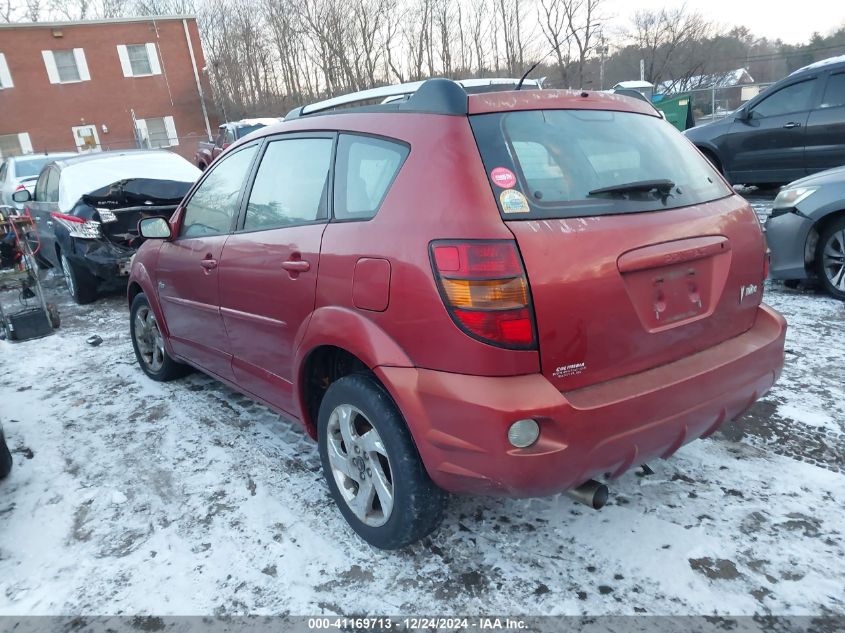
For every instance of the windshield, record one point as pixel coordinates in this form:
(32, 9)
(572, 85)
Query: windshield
(30, 167)
(248, 129)
(573, 163)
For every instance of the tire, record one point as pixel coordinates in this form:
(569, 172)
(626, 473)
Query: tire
(148, 343)
(830, 258)
(5, 457)
(386, 463)
(81, 284)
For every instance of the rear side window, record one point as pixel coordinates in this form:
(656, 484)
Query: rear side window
(52, 193)
(794, 98)
(213, 205)
(576, 163)
(291, 186)
(365, 168)
(834, 93)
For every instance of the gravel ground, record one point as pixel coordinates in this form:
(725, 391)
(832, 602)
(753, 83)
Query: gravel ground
(129, 496)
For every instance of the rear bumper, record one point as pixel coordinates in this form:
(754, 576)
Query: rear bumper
(460, 422)
(108, 262)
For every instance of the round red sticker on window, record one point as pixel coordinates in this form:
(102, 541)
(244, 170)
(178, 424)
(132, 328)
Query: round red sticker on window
(503, 177)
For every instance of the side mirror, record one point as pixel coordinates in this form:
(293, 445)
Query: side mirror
(744, 114)
(154, 228)
(22, 195)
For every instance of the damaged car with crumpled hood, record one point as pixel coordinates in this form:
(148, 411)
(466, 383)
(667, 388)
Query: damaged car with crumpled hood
(87, 208)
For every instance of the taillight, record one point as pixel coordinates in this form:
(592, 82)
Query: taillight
(19, 187)
(484, 287)
(78, 227)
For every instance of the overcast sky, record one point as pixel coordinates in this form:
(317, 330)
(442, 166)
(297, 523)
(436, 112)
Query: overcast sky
(791, 21)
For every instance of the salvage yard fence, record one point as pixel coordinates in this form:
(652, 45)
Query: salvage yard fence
(714, 103)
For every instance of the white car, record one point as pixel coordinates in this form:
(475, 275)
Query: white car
(21, 172)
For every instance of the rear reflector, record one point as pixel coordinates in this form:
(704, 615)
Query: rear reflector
(484, 287)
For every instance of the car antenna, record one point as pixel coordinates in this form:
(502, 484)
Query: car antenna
(525, 75)
(530, 70)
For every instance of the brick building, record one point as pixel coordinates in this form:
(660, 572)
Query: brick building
(104, 84)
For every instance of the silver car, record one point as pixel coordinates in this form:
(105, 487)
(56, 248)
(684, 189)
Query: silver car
(18, 172)
(806, 231)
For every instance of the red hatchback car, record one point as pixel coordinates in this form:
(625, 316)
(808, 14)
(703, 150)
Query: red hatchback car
(504, 293)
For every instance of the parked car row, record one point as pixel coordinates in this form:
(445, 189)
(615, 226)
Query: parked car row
(793, 129)
(87, 207)
(227, 134)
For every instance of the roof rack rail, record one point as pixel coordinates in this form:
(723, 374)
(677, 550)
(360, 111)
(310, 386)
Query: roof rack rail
(437, 96)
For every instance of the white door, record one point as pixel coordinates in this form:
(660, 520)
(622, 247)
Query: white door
(86, 138)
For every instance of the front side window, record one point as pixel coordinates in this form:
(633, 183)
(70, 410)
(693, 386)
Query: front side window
(66, 66)
(577, 163)
(366, 167)
(139, 60)
(834, 92)
(794, 98)
(214, 204)
(291, 186)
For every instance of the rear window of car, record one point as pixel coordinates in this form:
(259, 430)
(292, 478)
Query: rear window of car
(576, 163)
(28, 167)
(248, 129)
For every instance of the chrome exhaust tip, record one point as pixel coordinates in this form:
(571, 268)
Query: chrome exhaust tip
(591, 493)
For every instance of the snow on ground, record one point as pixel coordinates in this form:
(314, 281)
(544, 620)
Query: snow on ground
(130, 496)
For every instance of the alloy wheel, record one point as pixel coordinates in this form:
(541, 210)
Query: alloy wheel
(833, 260)
(148, 339)
(360, 465)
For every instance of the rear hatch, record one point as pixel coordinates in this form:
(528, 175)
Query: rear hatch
(119, 206)
(637, 252)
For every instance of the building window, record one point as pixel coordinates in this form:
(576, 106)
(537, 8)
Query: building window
(67, 66)
(5, 75)
(139, 60)
(15, 144)
(157, 132)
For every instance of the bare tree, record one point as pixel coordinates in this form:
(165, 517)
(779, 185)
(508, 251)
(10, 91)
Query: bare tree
(668, 41)
(553, 19)
(582, 22)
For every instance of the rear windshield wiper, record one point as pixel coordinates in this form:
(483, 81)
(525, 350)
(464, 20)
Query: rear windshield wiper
(663, 186)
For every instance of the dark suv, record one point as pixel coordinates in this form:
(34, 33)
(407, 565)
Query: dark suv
(504, 293)
(793, 129)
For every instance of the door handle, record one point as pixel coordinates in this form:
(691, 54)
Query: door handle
(296, 266)
(791, 125)
(209, 264)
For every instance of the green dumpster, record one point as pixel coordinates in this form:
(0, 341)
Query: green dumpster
(678, 110)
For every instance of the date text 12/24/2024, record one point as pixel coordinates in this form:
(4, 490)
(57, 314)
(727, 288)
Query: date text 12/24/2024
(416, 623)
